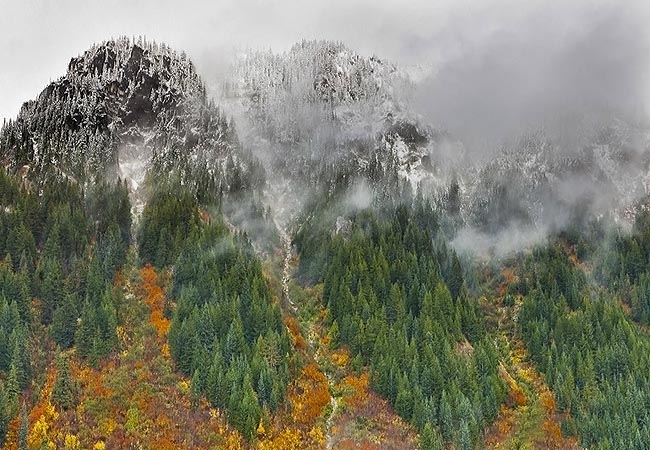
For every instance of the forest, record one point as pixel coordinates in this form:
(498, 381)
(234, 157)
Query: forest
(163, 287)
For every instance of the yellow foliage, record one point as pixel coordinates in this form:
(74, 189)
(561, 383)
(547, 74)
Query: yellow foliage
(99, 445)
(525, 375)
(155, 298)
(294, 331)
(356, 389)
(288, 439)
(122, 336)
(40, 431)
(71, 442)
(548, 402)
(184, 386)
(313, 395)
(233, 442)
(340, 358)
(316, 435)
(160, 323)
(260, 429)
(107, 425)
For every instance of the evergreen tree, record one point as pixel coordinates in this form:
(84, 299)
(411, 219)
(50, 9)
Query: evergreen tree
(23, 431)
(64, 392)
(430, 439)
(64, 322)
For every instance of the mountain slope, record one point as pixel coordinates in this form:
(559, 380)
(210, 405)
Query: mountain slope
(124, 108)
(321, 112)
(538, 183)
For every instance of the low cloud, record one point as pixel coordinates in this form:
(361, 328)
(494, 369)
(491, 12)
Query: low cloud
(550, 65)
(506, 242)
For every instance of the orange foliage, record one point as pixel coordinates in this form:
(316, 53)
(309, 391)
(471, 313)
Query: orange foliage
(505, 422)
(340, 357)
(296, 336)
(160, 322)
(311, 396)
(41, 419)
(92, 379)
(349, 444)
(548, 402)
(287, 439)
(356, 390)
(517, 395)
(546, 432)
(508, 277)
(366, 421)
(552, 430)
(11, 440)
(154, 298)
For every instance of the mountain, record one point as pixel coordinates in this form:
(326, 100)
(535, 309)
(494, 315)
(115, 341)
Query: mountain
(324, 119)
(320, 112)
(538, 183)
(125, 109)
(287, 270)
(316, 116)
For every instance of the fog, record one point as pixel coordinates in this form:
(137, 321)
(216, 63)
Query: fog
(504, 243)
(494, 64)
(558, 66)
(486, 71)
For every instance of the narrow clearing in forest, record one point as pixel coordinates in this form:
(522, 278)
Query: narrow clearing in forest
(528, 419)
(313, 337)
(354, 416)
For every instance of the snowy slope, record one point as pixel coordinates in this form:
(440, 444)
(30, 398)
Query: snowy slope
(320, 107)
(127, 109)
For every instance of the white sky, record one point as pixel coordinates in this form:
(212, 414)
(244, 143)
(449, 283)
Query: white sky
(38, 38)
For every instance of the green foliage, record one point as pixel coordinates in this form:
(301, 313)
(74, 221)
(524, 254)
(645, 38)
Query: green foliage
(64, 392)
(171, 216)
(96, 331)
(387, 291)
(23, 431)
(430, 439)
(64, 322)
(226, 330)
(46, 238)
(594, 358)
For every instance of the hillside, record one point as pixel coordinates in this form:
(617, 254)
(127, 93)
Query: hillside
(311, 265)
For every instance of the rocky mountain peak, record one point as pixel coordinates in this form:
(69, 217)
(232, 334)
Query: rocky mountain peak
(125, 108)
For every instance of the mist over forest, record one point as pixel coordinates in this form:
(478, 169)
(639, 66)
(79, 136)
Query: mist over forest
(325, 225)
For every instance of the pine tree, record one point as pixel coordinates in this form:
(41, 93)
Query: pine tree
(86, 331)
(20, 370)
(52, 290)
(446, 419)
(453, 198)
(455, 282)
(23, 431)
(196, 386)
(430, 439)
(64, 323)
(64, 392)
(5, 415)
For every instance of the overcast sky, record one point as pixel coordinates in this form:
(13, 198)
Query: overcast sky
(490, 58)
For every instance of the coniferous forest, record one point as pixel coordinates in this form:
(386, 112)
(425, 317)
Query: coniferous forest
(304, 266)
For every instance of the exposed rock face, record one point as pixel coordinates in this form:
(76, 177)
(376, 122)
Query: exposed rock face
(536, 183)
(322, 116)
(125, 107)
